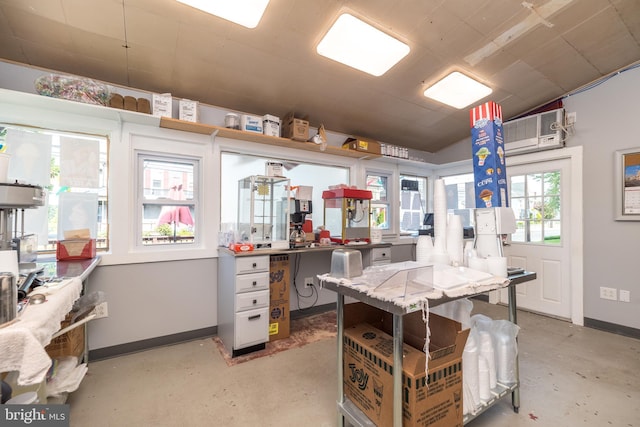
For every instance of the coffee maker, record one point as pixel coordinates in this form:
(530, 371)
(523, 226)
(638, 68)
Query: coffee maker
(300, 206)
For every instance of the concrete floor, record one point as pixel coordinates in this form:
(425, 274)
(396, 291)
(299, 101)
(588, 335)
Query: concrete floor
(570, 376)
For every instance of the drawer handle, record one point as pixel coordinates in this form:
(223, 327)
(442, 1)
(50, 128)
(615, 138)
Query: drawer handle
(254, 317)
(255, 301)
(254, 265)
(255, 283)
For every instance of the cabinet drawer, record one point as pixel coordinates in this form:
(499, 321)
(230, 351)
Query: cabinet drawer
(252, 282)
(252, 264)
(252, 327)
(251, 300)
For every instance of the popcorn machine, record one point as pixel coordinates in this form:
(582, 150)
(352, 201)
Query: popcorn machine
(263, 211)
(347, 215)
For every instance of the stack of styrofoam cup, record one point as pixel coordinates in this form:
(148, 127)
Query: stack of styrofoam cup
(440, 254)
(497, 266)
(424, 248)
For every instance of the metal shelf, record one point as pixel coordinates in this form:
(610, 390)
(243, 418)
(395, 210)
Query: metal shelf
(350, 413)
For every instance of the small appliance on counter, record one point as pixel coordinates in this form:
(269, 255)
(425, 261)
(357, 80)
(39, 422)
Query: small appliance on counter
(300, 207)
(263, 212)
(347, 211)
(14, 199)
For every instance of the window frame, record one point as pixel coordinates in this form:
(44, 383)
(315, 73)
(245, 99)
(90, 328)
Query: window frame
(424, 198)
(140, 157)
(102, 191)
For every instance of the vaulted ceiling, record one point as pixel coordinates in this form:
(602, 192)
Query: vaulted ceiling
(530, 53)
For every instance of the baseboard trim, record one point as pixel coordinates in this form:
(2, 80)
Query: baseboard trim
(137, 346)
(142, 345)
(612, 327)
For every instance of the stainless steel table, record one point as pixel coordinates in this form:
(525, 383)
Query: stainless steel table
(347, 410)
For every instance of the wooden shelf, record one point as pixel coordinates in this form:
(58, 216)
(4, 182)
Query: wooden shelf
(59, 105)
(205, 129)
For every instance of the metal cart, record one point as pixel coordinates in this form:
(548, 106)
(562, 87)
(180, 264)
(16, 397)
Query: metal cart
(348, 411)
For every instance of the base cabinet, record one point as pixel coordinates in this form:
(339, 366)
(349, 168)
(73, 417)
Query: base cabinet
(243, 302)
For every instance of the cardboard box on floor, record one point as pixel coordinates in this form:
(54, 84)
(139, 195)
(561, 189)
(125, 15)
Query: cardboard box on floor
(279, 321)
(433, 400)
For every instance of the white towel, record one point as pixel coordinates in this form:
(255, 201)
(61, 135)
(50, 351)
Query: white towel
(22, 343)
(22, 352)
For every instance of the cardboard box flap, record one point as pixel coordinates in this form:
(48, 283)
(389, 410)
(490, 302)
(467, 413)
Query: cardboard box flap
(447, 338)
(378, 341)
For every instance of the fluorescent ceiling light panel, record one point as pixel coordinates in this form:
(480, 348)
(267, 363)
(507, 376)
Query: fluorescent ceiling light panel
(244, 12)
(457, 90)
(361, 46)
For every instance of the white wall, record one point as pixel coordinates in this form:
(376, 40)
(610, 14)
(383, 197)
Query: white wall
(607, 120)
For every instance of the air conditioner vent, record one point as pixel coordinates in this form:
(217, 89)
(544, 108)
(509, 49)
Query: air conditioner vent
(534, 133)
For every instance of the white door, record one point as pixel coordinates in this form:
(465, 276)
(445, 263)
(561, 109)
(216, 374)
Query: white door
(539, 193)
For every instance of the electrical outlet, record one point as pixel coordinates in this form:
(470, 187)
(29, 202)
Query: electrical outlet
(608, 293)
(308, 282)
(625, 296)
(101, 310)
(571, 118)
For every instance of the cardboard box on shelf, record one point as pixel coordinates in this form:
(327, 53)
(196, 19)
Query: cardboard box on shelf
(188, 110)
(68, 344)
(429, 399)
(279, 321)
(251, 123)
(271, 125)
(162, 105)
(295, 128)
(362, 144)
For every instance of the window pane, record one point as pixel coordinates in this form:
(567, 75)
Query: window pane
(552, 183)
(168, 179)
(236, 167)
(413, 201)
(65, 165)
(552, 207)
(517, 186)
(552, 235)
(167, 224)
(380, 212)
(534, 185)
(168, 204)
(460, 194)
(535, 199)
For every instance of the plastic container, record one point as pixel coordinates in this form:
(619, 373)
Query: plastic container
(232, 121)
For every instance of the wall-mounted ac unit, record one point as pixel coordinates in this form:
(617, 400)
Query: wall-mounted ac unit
(543, 131)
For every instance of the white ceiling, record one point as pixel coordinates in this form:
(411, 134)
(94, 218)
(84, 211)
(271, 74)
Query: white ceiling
(534, 52)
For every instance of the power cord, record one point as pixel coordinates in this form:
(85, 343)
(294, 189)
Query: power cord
(313, 291)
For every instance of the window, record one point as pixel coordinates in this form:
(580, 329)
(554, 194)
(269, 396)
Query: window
(381, 214)
(168, 199)
(413, 203)
(236, 167)
(535, 199)
(460, 193)
(73, 169)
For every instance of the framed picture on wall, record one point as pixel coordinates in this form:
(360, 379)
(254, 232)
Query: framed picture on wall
(627, 170)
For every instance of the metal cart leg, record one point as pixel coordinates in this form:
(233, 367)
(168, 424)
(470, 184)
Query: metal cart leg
(397, 370)
(513, 317)
(340, 334)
